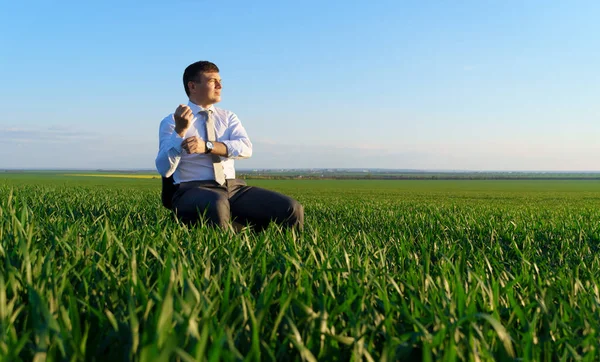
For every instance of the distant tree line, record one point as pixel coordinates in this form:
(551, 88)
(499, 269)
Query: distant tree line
(416, 177)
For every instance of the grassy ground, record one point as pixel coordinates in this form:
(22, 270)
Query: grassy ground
(94, 269)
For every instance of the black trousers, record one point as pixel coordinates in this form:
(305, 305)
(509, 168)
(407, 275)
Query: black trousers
(235, 201)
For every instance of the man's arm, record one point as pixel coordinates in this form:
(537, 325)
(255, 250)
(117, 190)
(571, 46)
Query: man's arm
(169, 150)
(238, 145)
(196, 144)
(171, 132)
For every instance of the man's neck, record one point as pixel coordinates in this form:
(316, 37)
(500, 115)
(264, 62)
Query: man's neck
(204, 106)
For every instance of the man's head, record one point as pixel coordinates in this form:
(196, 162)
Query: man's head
(202, 83)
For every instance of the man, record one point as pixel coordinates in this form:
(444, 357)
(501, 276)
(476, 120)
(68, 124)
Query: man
(198, 145)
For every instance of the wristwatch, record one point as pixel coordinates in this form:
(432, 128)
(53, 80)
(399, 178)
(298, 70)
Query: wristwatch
(209, 147)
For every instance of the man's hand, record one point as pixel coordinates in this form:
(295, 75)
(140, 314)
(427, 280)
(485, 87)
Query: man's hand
(194, 144)
(183, 118)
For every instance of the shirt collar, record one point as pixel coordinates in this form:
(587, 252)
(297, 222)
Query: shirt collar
(196, 108)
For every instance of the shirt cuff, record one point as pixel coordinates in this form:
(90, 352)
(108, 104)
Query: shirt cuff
(175, 142)
(231, 152)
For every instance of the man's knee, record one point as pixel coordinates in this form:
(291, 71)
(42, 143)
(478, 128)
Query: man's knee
(214, 209)
(217, 211)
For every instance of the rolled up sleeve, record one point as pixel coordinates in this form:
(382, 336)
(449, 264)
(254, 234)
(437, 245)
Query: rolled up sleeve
(238, 143)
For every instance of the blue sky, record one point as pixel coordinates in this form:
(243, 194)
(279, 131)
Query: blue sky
(469, 85)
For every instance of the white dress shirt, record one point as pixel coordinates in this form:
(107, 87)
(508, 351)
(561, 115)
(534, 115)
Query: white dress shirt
(173, 160)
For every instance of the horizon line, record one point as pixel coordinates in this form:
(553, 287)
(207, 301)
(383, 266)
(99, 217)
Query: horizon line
(308, 169)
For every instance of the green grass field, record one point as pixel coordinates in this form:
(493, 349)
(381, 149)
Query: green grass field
(94, 268)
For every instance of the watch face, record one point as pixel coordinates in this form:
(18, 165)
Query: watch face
(209, 145)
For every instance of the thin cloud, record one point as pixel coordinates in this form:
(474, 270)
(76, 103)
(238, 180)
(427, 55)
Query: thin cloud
(49, 134)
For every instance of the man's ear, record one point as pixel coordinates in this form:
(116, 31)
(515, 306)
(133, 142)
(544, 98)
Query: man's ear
(191, 85)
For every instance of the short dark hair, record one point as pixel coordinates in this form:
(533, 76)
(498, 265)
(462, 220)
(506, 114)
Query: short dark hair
(193, 70)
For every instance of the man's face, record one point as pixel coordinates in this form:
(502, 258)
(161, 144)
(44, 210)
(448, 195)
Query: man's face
(207, 88)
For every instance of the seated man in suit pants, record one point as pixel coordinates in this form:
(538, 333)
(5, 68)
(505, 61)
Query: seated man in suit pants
(198, 145)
